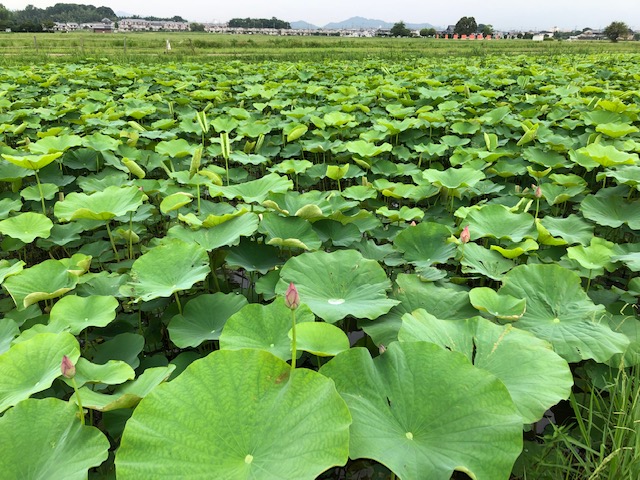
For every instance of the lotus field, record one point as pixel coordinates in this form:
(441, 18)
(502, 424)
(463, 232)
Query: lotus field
(318, 270)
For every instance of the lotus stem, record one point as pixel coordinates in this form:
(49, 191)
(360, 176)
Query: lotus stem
(131, 236)
(113, 245)
(294, 352)
(78, 400)
(44, 209)
(175, 294)
(198, 192)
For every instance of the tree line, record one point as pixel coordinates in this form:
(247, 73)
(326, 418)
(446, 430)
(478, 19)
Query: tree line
(467, 26)
(34, 19)
(272, 22)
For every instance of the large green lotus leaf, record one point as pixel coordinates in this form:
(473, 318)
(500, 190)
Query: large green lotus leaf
(289, 232)
(127, 395)
(8, 268)
(405, 214)
(497, 221)
(203, 318)
(425, 244)
(596, 256)
(8, 331)
(100, 142)
(53, 144)
(477, 259)
(321, 339)
(608, 208)
(630, 326)
(536, 377)
(448, 303)
(45, 439)
(631, 260)
(46, 280)
(113, 372)
(263, 327)
(26, 227)
(336, 233)
(572, 229)
(32, 162)
(424, 412)
(335, 285)
(255, 191)
(628, 175)
(616, 130)
(453, 178)
(109, 203)
(261, 421)
(291, 166)
(173, 266)
(500, 306)
(75, 313)
(515, 250)
(175, 201)
(366, 149)
(556, 194)
(32, 366)
(253, 257)
(8, 205)
(10, 172)
(176, 148)
(608, 156)
(546, 158)
(223, 234)
(32, 192)
(545, 237)
(560, 312)
(124, 346)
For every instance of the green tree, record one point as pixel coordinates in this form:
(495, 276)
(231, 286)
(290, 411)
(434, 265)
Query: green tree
(5, 17)
(272, 22)
(616, 30)
(400, 30)
(428, 32)
(466, 26)
(486, 29)
(196, 27)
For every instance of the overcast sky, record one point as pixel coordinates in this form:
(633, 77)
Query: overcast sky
(502, 14)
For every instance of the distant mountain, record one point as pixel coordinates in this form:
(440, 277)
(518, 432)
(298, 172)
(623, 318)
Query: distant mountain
(361, 22)
(302, 25)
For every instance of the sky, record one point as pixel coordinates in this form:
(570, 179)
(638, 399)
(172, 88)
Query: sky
(502, 14)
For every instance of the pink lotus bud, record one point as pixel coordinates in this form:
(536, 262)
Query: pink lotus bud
(67, 367)
(465, 236)
(291, 297)
(382, 348)
(538, 192)
(413, 223)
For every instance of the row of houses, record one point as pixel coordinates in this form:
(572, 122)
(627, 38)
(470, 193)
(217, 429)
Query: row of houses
(140, 25)
(124, 25)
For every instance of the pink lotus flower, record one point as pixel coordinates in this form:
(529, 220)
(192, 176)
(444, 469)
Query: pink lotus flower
(67, 367)
(291, 297)
(465, 236)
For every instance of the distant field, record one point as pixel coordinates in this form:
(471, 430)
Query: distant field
(18, 47)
